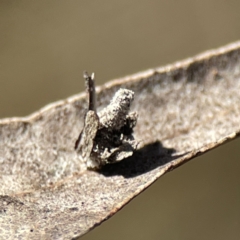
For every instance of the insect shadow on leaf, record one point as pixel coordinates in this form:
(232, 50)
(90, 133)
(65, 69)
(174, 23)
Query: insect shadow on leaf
(145, 159)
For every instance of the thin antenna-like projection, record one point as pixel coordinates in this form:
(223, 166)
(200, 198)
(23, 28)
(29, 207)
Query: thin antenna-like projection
(90, 86)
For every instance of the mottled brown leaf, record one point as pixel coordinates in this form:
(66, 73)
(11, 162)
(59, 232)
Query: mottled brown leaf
(185, 109)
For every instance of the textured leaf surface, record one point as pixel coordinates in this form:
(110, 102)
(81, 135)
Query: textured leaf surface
(185, 109)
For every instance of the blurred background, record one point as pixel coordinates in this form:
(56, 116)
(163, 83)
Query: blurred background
(44, 48)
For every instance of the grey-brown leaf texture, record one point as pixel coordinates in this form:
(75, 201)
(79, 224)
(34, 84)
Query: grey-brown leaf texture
(184, 109)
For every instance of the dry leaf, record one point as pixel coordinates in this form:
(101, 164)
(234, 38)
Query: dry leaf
(185, 109)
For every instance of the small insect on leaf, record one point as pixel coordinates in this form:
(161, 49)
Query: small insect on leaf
(107, 136)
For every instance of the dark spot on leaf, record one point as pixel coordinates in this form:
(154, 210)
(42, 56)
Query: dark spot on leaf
(73, 209)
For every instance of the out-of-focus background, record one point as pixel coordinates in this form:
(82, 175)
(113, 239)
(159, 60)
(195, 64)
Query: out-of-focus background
(44, 48)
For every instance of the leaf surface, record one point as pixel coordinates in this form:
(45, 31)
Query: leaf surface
(185, 109)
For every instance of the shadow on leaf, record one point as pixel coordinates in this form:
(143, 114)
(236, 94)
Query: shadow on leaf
(143, 160)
